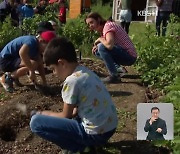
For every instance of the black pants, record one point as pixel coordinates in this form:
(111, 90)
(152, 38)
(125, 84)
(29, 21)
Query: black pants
(162, 17)
(125, 26)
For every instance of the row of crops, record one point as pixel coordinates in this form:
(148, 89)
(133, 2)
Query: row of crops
(159, 57)
(159, 63)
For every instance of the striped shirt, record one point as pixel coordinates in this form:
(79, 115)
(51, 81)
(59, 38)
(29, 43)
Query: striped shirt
(121, 38)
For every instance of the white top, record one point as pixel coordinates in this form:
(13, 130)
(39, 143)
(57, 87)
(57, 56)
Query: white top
(95, 107)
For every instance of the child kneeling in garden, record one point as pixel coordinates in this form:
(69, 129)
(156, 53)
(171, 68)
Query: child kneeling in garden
(84, 96)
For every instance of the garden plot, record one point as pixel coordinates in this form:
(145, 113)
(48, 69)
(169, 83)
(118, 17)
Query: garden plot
(15, 134)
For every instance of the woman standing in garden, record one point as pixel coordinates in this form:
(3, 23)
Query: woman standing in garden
(114, 46)
(164, 11)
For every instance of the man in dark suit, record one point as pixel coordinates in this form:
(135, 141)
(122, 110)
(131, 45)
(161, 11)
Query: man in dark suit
(155, 126)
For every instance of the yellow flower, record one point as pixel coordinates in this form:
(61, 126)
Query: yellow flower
(66, 88)
(77, 74)
(96, 102)
(83, 98)
(91, 126)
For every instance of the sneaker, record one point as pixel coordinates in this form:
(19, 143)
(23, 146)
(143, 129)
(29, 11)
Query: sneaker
(8, 84)
(122, 71)
(36, 72)
(110, 79)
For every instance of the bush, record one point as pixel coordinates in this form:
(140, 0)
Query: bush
(77, 31)
(159, 59)
(173, 27)
(106, 12)
(159, 62)
(173, 96)
(8, 32)
(30, 25)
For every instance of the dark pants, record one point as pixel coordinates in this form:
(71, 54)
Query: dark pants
(2, 18)
(125, 26)
(162, 17)
(9, 64)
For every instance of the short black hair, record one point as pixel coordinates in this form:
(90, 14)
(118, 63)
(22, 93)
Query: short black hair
(155, 108)
(44, 26)
(59, 48)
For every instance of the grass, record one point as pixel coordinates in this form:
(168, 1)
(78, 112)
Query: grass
(137, 31)
(124, 116)
(105, 11)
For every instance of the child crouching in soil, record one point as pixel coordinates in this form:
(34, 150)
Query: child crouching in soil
(84, 95)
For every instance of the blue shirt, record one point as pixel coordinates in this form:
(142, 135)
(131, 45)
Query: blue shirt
(27, 11)
(13, 47)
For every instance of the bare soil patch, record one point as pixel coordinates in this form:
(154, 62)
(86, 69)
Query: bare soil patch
(15, 134)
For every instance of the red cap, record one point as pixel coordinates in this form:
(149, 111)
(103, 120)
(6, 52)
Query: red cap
(48, 35)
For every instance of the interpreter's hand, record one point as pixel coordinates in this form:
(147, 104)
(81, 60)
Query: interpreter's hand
(152, 120)
(94, 49)
(159, 130)
(32, 76)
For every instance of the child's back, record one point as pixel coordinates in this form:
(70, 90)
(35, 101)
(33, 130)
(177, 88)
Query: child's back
(95, 107)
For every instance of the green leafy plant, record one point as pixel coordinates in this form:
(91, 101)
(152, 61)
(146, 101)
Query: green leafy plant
(30, 25)
(158, 59)
(77, 31)
(8, 32)
(173, 96)
(159, 62)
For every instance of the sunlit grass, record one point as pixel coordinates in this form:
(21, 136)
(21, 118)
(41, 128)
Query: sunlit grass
(137, 31)
(105, 11)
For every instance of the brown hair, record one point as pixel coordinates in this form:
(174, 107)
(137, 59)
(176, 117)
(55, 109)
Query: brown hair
(96, 16)
(59, 48)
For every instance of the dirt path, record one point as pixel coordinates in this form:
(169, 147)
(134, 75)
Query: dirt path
(15, 134)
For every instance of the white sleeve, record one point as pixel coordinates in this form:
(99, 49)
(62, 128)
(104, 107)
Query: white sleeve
(70, 91)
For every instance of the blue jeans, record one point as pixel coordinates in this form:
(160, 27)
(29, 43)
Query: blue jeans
(69, 134)
(163, 17)
(117, 55)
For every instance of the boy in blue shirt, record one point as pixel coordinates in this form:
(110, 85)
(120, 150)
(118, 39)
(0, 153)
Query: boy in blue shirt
(27, 10)
(84, 96)
(23, 55)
